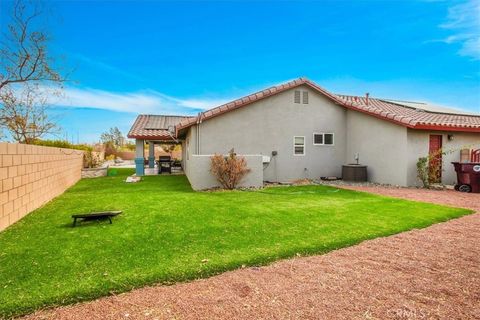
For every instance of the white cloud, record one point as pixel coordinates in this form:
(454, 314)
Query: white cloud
(464, 20)
(133, 102)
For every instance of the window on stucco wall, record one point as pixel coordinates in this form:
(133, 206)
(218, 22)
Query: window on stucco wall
(321, 139)
(299, 146)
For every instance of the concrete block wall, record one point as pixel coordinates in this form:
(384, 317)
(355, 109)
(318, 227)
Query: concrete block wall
(31, 175)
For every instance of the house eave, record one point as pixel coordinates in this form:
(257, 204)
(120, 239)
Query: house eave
(446, 128)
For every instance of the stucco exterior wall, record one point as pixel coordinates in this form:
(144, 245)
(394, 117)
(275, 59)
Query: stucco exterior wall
(188, 149)
(31, 175)
(201, 178)
(270, 125)
(389, 150)
(381, 145)
(418, 146)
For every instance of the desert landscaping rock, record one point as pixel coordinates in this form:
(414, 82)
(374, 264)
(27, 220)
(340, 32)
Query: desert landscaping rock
(94, 172)
(431, 273)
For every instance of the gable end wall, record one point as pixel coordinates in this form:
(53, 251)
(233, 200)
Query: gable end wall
(271, 124)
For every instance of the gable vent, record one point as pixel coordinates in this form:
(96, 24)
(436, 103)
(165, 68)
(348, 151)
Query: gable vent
(305, 97)
(296, 96)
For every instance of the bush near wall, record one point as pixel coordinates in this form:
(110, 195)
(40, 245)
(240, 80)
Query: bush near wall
(61, 144)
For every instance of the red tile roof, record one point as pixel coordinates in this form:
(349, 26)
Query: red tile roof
(386, 110)
(154, 127)
(413, 117)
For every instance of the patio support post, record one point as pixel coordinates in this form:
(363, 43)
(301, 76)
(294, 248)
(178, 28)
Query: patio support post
(151, 154)
(139, 157)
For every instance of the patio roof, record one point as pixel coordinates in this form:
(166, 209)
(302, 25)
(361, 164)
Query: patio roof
(155, 127)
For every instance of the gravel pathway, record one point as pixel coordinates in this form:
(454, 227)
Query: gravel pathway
(445, 197)
(433, 273)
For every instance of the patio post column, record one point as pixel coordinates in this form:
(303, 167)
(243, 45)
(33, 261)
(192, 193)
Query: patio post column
(151, 154)
(139, 157)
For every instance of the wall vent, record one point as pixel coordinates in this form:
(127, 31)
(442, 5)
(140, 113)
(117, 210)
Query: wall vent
(296, 96)
(305, 97)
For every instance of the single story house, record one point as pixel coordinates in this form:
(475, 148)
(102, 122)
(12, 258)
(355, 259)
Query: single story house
(299, 130)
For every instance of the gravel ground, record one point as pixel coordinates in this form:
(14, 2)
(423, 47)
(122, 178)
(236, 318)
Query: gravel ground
(445, 197)
(431, 273)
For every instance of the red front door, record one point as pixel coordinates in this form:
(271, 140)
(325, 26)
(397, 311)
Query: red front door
(435, 164)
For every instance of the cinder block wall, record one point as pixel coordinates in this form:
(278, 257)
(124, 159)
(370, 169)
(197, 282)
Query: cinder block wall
(31, 175)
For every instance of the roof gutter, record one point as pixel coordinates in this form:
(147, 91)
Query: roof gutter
(164, 139)
(445, 128)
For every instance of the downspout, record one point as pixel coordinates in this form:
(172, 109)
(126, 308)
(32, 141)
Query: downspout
(199, 121)
(196, 133)
(173, 135)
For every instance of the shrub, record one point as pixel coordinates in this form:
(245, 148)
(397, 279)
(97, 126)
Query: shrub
(229, 170)
(109, 149)
(435, 166)
(90, 159)
(129, 146)
(60, 144)
(422, 171)
(429, 168)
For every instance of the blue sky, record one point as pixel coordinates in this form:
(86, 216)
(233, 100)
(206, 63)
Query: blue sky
(160, 57)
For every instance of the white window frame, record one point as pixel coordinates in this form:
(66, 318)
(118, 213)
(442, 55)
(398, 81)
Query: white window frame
(323, 135)
(295, 145)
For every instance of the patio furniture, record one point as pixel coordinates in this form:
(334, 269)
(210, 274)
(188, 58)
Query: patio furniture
(95, 216)
(164, 164)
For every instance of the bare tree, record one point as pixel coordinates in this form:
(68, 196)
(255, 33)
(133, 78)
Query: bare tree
(27, 75)
(23, 54)
(24, 114)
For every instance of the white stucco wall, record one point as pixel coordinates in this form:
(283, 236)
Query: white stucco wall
(381, 145)
(418, 146)
(389, 150)
(201, 178)
(270, 125)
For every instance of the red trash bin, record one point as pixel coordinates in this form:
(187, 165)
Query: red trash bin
(468, 176)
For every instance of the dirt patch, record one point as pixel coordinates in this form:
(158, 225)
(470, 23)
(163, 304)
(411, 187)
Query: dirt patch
(431, 273)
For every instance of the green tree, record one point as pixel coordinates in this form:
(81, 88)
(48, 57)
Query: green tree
(113, 137)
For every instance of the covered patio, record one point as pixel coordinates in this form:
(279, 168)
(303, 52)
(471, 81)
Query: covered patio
(154, 130)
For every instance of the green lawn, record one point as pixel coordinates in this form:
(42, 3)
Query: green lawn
(166, 230)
